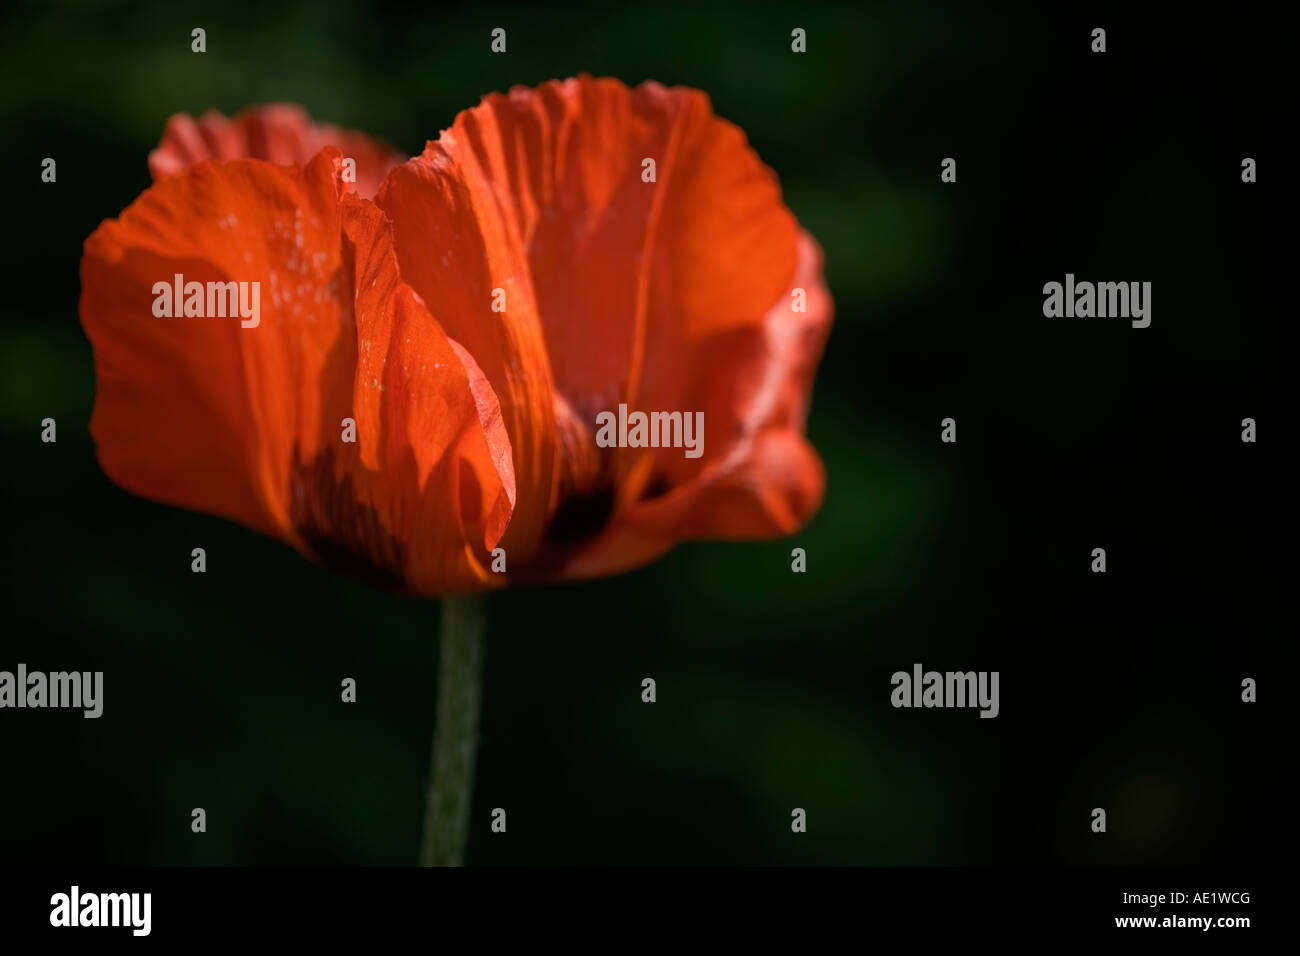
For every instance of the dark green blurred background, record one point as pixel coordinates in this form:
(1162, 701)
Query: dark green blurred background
(222, 690)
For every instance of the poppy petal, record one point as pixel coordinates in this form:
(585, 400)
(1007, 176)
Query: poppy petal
(758, 476)
(432, 444)
(459, 248)
(279, 132)
(248, 422)
(585, 165)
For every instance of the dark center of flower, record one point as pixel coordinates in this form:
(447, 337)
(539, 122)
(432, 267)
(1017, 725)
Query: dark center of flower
(344, 533)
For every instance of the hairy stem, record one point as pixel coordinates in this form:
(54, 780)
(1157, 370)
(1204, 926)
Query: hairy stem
(455, 736)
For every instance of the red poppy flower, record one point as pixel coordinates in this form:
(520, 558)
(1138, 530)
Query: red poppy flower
(528, 272)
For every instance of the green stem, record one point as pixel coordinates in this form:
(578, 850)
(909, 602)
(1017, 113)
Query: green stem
(455, 735)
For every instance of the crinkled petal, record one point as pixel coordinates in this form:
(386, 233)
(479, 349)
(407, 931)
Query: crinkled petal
(279, 132)
(249, 422)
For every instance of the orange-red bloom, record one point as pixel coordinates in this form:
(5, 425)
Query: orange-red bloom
(498, 292)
